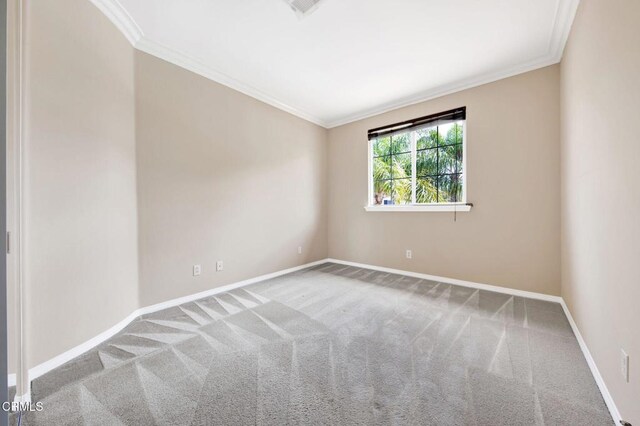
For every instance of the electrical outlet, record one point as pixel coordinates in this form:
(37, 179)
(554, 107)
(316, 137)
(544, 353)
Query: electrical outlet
(197, 270)
(624, 365)
(409, 254)
(299, 249)
(219, 266)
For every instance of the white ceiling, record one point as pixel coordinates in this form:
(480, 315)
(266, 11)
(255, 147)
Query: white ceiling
(350, 58)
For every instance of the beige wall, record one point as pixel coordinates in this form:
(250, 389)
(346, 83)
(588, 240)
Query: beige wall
(218, 176)
(511, 236)
(221, 176)
(80, 235)
(600, 197)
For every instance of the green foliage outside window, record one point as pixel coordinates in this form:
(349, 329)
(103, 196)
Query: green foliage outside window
(438, 166)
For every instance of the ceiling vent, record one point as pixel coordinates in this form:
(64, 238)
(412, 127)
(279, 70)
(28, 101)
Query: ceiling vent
(303, 8)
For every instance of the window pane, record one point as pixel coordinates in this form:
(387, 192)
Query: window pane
(450, 159)
(382, 146)
(426, 162)
(447, 134)
(400, 143)
(459, 154)
(381, 192)
(458, 130)
(426, 190)
(427, 138)
(382, 168)
(450, 188)
(401, 191)
(401, 167)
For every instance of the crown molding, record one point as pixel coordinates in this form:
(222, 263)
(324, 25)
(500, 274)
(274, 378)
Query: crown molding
(189, 63)
(444, 90)
(565, 14)
(119, 16)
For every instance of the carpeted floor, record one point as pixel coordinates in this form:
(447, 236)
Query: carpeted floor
(333, 345)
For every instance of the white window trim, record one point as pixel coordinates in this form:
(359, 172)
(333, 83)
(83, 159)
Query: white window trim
(458, 207)
(462, 206)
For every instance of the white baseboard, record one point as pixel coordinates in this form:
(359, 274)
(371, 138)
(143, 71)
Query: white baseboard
(64, 357)
(72, 353)
(49, 365)
(496, 289)
(229, 287)
(608, 399)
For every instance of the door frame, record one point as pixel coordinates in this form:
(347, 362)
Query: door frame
(14, 198)
(4, 390)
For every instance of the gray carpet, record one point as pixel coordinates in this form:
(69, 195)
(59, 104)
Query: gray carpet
(333, 345)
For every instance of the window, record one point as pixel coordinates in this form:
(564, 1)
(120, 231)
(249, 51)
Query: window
(419, 164)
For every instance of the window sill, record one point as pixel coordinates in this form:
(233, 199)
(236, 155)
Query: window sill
(425, 208)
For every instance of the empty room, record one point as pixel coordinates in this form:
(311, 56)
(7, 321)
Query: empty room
(320, 212)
